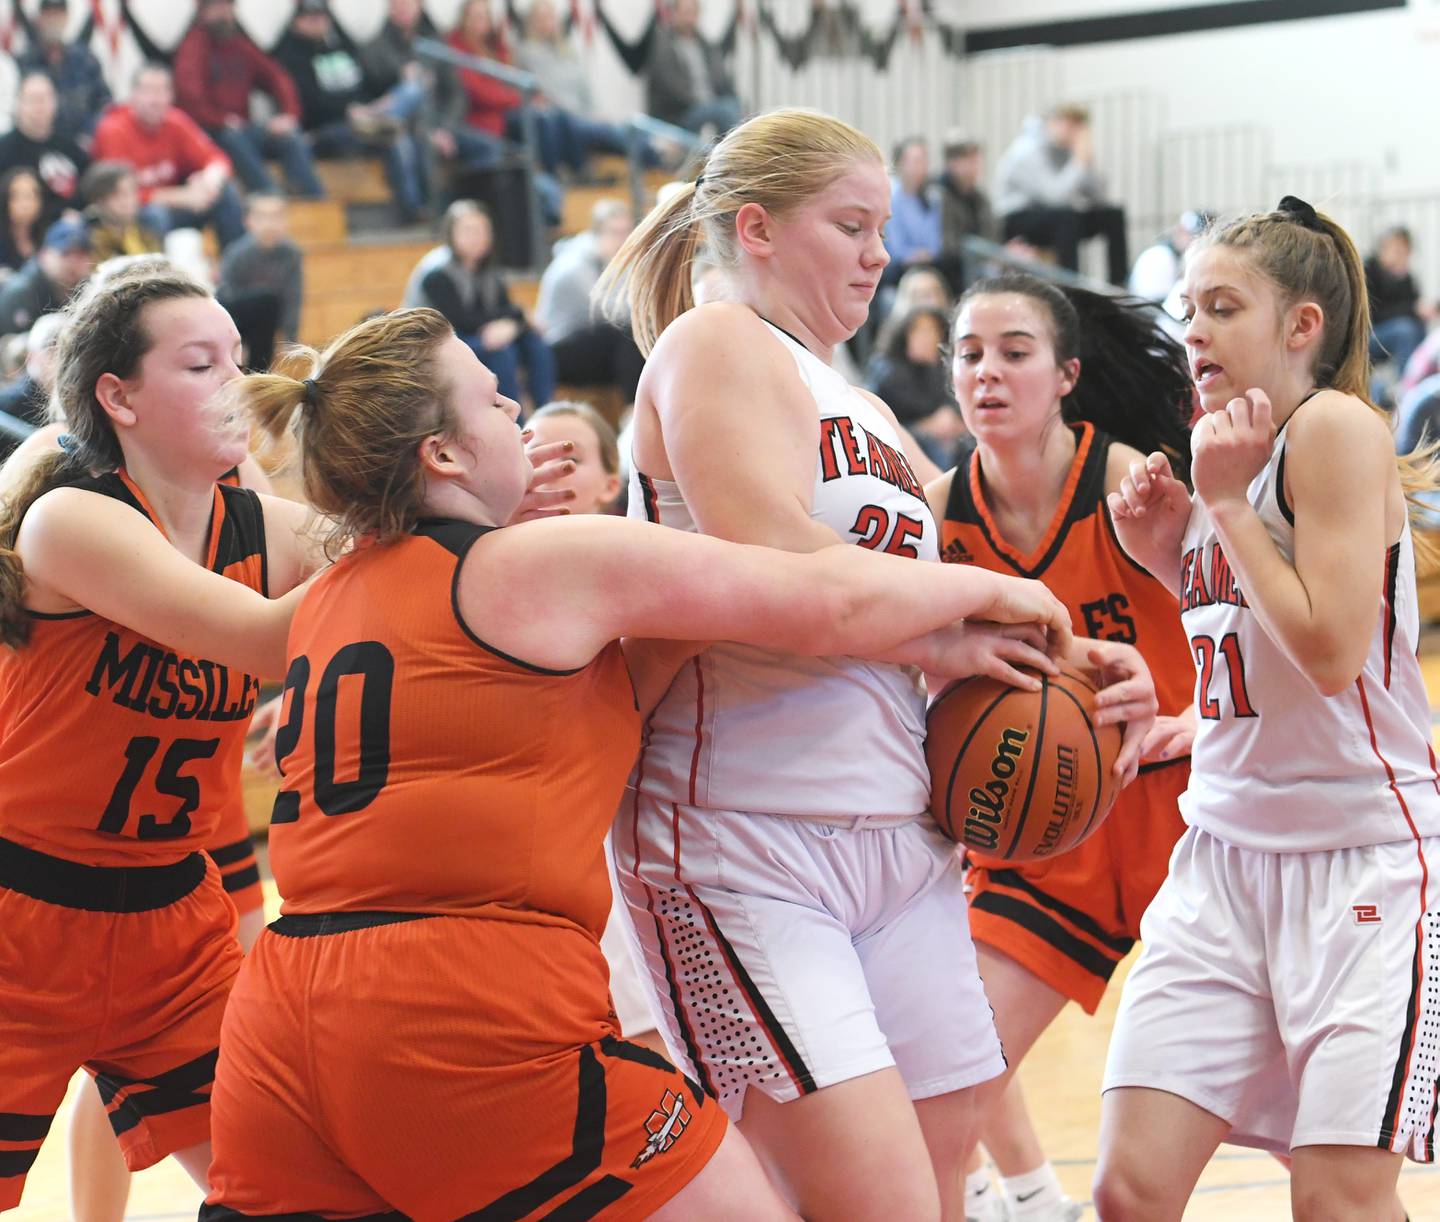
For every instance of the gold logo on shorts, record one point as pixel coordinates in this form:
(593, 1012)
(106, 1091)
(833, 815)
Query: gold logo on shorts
(664, 1124)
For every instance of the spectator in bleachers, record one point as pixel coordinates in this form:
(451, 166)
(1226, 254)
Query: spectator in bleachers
(589, 350)
(1398, 314)
(1049, 193)
(686, 82)
(266, 260)
(217, 67)
(46, 281)
(1159, 268)
(910, 374)
(184, 176)
(23, 200)
(964, 207)
(468, 289)
(913, 233)
(565, 84)
(57, 160)
(25, 397)
(72, 68)
(334, 114)
(112, 196)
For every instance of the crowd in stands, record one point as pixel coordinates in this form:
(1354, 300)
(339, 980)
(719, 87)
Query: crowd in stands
(85, 177)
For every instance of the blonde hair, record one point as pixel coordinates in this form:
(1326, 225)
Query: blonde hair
(1320, 263)
(357, 413)
(778, 160)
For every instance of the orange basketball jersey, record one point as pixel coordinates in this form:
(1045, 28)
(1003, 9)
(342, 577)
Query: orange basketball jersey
(114, 750)
(426, 771)
(1079, 558)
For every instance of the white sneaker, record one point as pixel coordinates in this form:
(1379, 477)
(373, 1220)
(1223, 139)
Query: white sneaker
(988, 1207)
(1063, 1210)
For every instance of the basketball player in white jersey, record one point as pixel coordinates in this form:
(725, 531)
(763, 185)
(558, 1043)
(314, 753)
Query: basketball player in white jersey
(1288, 994)
(803, 921)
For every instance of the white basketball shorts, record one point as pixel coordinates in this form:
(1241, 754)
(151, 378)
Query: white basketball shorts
(791, 955)
(1294, 995)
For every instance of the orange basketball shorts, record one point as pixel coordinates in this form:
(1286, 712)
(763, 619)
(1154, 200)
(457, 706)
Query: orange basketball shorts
(123, 971)
(1072, 919)
(441, 1067)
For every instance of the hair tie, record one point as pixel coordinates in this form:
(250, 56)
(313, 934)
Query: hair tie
(1302, 214)
(699, 181)
(308, 398)
(67, 443)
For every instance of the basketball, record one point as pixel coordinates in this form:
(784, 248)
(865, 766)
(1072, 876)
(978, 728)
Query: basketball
(1020, 775)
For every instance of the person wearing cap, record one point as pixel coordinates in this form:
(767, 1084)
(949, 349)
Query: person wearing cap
(184, 176)
(217, 68)
(24, 399)
(337, 119)
(35, 142)
(1158, 268)
(46, 281)
(1049, 193)
(71, 66)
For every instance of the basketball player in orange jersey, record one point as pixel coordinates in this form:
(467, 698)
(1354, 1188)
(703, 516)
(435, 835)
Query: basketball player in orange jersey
(790, 892)
(119, 753)
(458, 729)
(1286, 996)
(1055, 389)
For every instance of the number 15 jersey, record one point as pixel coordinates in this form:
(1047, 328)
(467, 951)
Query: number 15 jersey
(1277, 767)
(114, 750)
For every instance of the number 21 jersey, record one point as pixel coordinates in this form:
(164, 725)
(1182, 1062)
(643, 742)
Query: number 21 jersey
(1277, 767)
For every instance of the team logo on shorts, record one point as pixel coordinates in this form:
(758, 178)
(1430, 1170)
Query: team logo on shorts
(1366, 914)
(665, 1124)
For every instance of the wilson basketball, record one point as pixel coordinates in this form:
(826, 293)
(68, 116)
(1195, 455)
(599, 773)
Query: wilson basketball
(1019, 775)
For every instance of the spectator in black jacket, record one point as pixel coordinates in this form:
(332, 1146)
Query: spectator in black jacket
(1398, 315)
(911, 375)
(45, 283)
(72, 67)
(964, 207)
(333, 111)
(25, 398)
(34, 141)
(685, 78)
(468, 290)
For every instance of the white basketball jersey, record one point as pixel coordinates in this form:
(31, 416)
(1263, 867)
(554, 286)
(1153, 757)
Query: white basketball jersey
(1276, 766)
(759, 730)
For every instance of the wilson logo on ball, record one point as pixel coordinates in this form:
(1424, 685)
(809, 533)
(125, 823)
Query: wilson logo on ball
(988, 802)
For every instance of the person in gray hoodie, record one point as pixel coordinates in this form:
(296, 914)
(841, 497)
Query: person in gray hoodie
(1048, 192)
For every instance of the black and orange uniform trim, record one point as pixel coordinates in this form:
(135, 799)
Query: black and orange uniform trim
(427, 1029)
(1071, 919)
(118, 760)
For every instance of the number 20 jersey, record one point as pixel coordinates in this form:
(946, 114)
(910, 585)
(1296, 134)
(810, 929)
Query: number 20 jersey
(750, 729)
(1277, 767)
(114, 750)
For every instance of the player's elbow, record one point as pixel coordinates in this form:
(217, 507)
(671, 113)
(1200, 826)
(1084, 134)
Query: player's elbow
(1333, 669)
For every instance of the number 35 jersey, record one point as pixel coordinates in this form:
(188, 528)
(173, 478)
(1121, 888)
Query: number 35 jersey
(1277, 767)
(115, 750)
(427, 772)
(750, 729)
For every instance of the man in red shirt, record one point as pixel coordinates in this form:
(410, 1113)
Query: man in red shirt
(217, 68)
(184, 176)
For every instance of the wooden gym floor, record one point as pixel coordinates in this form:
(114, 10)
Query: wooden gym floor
(1062, 1082)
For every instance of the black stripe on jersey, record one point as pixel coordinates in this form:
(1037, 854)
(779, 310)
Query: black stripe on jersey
(71, 884)
(1157, 765)
(586, 1151)
(458, 538)
(638, 1054)
(1047, 929)
(960, 505)
(320, 924)
(229, 854)
(242, 532)
(16, 1162)
(223, 1213)
(1081, 920)
(591, 1202)
(24, 1126)
(1282, 502)
(1089, 495)
(172, 1091)
(238, 880)
(1392, 573)
(110, 484)
(652, 503)
(1396, 1099)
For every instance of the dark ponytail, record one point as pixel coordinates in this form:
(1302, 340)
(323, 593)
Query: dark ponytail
(1134, 378)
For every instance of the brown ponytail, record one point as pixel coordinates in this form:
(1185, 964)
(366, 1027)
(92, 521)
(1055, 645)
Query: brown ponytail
(357, 414)
(777, 160)
(104, 332)
(1308, 256)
